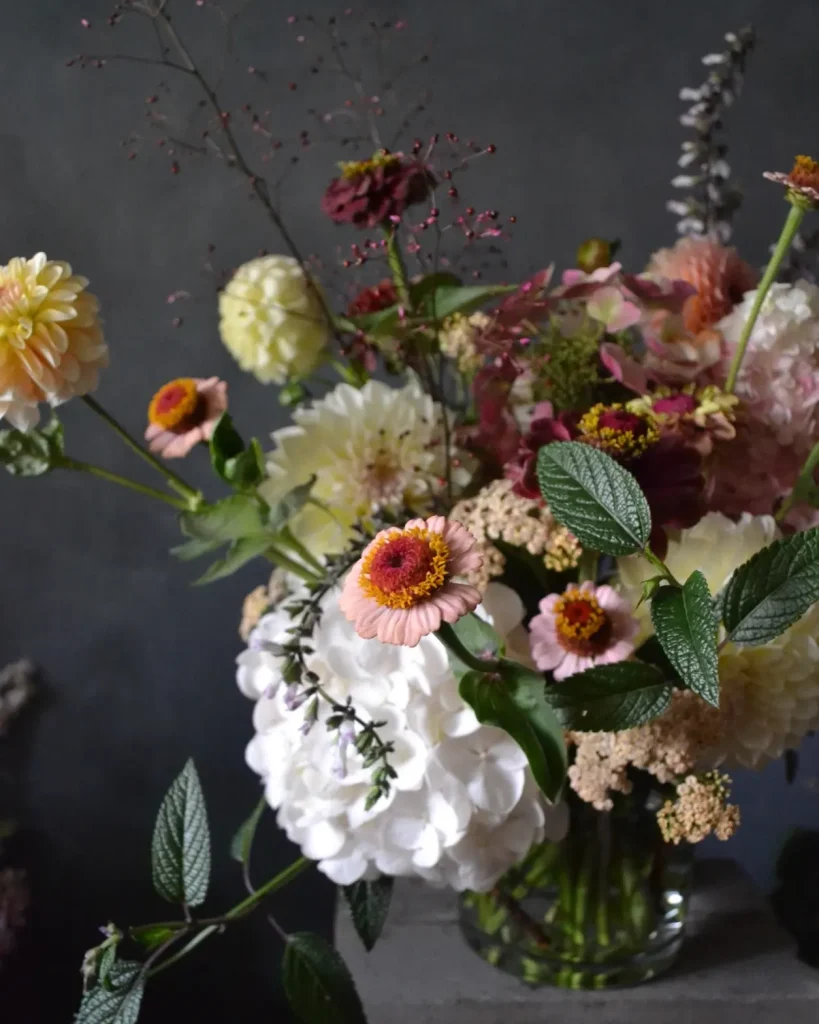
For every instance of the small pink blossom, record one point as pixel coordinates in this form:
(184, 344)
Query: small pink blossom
(614, 311)
(176, 442)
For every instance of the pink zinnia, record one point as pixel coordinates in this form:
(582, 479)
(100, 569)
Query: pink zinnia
(580, 628)
(184, 412)
(404, 585)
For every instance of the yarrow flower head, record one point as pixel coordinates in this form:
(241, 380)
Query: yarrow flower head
(51, 342)
(459, 339)
(405, 583)
(183, 413)
(701, 807)
(375, 192)
(801, 184)
(272, 320)
(580, 628)
(371, 448)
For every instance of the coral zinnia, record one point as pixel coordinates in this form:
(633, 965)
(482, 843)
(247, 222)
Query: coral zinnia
(371, 192)
(51, 341)
(802, 183)
(403, 586)
(184, 412)
(716, 271)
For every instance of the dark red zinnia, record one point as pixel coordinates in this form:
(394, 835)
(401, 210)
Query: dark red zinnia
(370, 193)
(373, 299)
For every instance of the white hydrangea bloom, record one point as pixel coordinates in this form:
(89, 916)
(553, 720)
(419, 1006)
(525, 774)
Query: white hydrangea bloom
(464, 807)
(272, 320)
(779, 378)
(769, 695)
(368, 448)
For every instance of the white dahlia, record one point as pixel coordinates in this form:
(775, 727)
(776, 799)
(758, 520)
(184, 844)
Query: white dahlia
(464, 807)
(769, 696)
(51, 342)
(368, 448)
(779, 378)
(272, 321)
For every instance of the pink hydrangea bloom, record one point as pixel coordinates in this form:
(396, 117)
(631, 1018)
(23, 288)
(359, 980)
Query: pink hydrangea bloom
(580, 628)
(406, 582)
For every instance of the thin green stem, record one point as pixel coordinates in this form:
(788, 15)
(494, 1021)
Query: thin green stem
(193, 496)
(794, 219)
(287, 537)
(448, 637)
(123, 481)
(587, 567)
(194, 942)
(283, 561)
(658, 563)
(283, 878)
(395, 262)
(805, 486)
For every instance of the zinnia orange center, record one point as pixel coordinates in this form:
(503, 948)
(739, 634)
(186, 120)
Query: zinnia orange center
(622, 434)
(805, 173)
(583, 627)
(177, 406)
(405, 567)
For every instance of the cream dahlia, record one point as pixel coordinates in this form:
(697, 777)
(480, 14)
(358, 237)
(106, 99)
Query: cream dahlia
(464, 806)
(183, 413)
(583, 627)
(769, 696)
(272, 319)
(368, 448)
(51, 341)
(779, 378)
(406, 582)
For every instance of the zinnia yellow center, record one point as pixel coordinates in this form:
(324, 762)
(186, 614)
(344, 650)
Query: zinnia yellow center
(582, 626)
(618, 431)
(352, 169)
(405, 567)
(174, 406)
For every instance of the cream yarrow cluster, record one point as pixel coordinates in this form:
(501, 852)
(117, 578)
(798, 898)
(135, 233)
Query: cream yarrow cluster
(458, 339)
(700, 809)
(272, 319)
(496, 513)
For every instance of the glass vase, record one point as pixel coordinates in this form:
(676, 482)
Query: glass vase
(604, 907)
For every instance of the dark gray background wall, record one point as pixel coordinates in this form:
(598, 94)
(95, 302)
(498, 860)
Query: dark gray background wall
(581, 100)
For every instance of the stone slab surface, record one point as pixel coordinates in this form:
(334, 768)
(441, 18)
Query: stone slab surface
(736, 965)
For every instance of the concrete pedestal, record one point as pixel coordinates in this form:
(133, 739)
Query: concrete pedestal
(736, 965)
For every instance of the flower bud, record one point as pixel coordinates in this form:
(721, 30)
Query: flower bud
(593, 254)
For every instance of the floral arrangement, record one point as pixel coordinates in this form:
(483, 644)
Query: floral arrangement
(545, 543)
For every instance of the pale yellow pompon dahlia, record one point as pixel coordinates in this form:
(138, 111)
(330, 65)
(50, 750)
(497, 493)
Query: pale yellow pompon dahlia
(51, 342)
(272, 320)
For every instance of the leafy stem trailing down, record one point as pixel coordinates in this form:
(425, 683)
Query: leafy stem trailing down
(314, 975)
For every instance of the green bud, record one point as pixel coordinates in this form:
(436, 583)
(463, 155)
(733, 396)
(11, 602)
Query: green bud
(292, 394)
(593, 254)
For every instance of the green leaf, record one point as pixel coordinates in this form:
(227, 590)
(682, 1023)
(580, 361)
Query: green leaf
(652, 653)
(284, 510)
(106, 965)
(318, 985)
(238, 554)
(592, 495)
(447, 299)
(369, 904)
(246, 470)
(773, 590)
(225, 443)
(420, 290)
(684, 623)
(478, 637)
(233, 518)
(609, 698)
(242, 842)
(180, 852)
(33, 453)
(515, 702)
(149, 936)
(116, 1002)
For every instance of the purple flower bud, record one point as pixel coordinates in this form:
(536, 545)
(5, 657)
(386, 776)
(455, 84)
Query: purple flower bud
(294, 697)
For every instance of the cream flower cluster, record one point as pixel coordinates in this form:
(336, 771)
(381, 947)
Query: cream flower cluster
(272, 321)
(368, 448)
(51, 341)
(779, 378)
(464, 807)
(769, 695)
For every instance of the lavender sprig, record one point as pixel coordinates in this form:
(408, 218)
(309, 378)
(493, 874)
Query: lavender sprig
(713, 199)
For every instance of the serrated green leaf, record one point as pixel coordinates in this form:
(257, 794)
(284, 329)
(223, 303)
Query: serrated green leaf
(684, 623)
(33, 453)
(369, 904)
(592, 495)
(242, 842)
(651, 653)
(106, 965)
(194, 548)
(180, 852)
(773, 590)
(478, 637)
(609, 698)
(515, 702)
(238, 554)
(149, 936)
(233, 518)
(117, 1004)
(318, 984)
